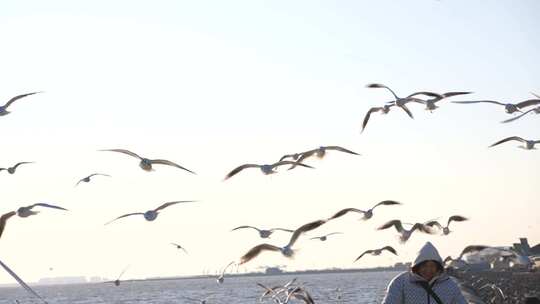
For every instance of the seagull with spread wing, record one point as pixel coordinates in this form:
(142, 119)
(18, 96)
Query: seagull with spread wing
(117, 281)
(286, 250)
(3, 109)
(21, 282)
(431, 103)
(11, 170)
(402, 102)
(534, 110)
(320, 153)
(446, 230)
(150, 215)
(527, 144)
(385, 109)
(325, 237)
(376, 252)
(87, 179)
(405, 234)
(146, 163)
(265, 169)
(263, 233)
(27, 211)
(221, 277)
(366, 214)
(508, 107)
(179, 247)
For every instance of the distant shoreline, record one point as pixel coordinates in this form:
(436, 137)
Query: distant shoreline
(249, 274)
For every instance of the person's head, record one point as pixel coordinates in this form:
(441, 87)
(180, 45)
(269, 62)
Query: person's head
(428, 263)
(428, 269)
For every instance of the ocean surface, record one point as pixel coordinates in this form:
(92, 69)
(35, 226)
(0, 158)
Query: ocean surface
(358, 288)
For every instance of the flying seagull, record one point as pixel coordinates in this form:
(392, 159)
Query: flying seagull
(150, 215)
(3, 109)
(527, 144)
(377, 252)
(179, 247)
(401, 102)
(508, 107)
(221, 277)
(366, 214)
(287, 250)
(266, 169)
(384, 110)
(27, 211)
(324, 237)
(405, 234)
(263, 233)
(446, 230)
(431, 103)
(535, 110)
(87, 179)
(320, 153)
(11, 170)
(117, 281)
(146, 164)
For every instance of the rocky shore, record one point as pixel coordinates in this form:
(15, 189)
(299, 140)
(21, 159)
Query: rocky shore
(500, 286)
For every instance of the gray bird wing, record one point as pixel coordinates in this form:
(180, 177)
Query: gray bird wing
(508, 139)
(240, 168)
(123, 151)
(169, 163)
(170, 204)
(125, 215)
(255, 251)
(12, 100)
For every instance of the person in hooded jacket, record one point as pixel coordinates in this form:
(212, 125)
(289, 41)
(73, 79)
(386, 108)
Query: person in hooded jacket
(426, 282)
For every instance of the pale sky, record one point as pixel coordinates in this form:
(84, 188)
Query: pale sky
(213, 84)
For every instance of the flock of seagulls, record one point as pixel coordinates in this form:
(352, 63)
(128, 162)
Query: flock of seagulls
(292, 161)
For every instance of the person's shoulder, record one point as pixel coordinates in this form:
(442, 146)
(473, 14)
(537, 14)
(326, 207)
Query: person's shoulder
(401, 277)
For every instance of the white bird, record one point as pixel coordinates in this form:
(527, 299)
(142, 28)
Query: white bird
(527, 144)
(265, 169)
(27, 211)
(325, 237)
(367, 214)
(534, 110)
(401, 102)
(320, 153)
(150, 215)
(21, 282)
(286, 250)
(179, 247)
(377, 252)
(221, 277)
(3, 109)
(146, 164)
(87, 179)
(431, 103)
(446, 230)
(3, 221)
(11, 170)
(404, 233)
(263, 233)
(508, 107)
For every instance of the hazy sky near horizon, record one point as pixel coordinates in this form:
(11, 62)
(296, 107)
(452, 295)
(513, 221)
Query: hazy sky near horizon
(212, 85)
